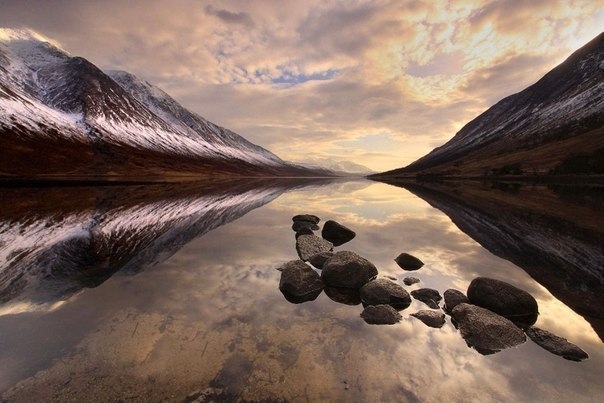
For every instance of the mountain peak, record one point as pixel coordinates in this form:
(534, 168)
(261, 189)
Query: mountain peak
(33, 49)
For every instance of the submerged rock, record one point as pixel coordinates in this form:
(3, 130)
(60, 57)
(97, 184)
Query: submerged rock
(308, 246)
(556, 344)
(453, 298)
(408, 262)
(299, 282)
(347, 270)
(505, 299)
(381, 315)
(428, 296)
(486, 331)
(306, 217)
(411, 280)
(383, 291)
(319, 260)
(430, 318)
(336, 233)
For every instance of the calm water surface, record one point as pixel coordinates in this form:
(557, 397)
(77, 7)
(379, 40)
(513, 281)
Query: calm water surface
(165, 294)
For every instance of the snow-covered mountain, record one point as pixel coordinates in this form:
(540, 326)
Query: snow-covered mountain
(554, 126)
(75, 120)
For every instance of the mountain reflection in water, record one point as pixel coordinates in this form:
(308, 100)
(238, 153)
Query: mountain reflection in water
(201, 318)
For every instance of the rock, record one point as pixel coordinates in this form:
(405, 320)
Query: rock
(410, 280)
(304, 231)
(408, 262)
(500, 297)
(298, 226)
(308, 246)
(556, 344)
(346, 296)
(299, 282)
(347, 270)
(430, 318)
(453, 298)
(306, 217)
(336, 233)
(319, 260)
(382, 291)
(486, 331)
(428, 296)
(381, 315)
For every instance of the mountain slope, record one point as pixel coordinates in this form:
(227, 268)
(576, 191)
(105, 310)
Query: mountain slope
(75, 120)
(535, 131)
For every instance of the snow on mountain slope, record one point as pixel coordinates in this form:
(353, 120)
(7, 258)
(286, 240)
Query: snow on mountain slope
(46, 92)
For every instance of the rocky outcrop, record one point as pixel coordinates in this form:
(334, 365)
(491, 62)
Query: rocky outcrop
(336, 233)
(430, 318)
(299, 282)
(428, 296)
(383, 291)
(453, 298)
(308, 246)
(381, 315)
(346, 269)
(556, 344)
(486, 331)
(504, 299)
(408, 262)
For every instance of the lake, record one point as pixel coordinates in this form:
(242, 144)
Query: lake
(170, 292)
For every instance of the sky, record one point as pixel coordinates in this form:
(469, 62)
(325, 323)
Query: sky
(379, 83)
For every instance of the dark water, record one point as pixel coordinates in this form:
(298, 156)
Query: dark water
(170, 293)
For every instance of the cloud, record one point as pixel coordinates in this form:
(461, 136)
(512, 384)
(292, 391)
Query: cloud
(230, 17)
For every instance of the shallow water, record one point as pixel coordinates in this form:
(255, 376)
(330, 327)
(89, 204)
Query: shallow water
(161, 294)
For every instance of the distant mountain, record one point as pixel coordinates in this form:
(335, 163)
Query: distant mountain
(60, 116)
(555, 126)
(341, 168)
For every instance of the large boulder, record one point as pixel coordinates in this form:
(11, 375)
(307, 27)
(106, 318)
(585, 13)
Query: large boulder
(485, 330)
(336, 233)
(430, 318)
(408, 262)
(299, 282)
(346, 269)
(428, 296)
(308, 246)
(381, 315)
(346, 296)
(453, 298)
(556, 344)
(500, 297)
(383, 291)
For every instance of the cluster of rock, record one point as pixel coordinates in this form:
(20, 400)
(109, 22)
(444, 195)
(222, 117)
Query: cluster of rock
(493, 316)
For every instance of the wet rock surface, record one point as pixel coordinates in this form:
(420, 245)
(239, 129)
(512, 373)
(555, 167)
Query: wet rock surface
(428, 296)
(381, 315)
(411, 280)
(346, 269)
(556, 344)
(383, 291)
(453, 298)
(486, 331)
(430, 318)
(308, 246)
(299, 282)
(336, 233)
(505, 299)
(408, 262)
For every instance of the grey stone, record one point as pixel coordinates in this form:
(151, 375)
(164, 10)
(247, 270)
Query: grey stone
(428, 296)
(410, 280)
(408, 262)
(347, 270)
(383, 291)
(304, 231)
(381, 315)
(298, 226)
(556, 344)
(346, 296)
(486, 331)
(453, 298)
(430, 318)
(505, 299)
(299, 282)
(308, 246)
(319, 260)
(306, 217)
(336, 233)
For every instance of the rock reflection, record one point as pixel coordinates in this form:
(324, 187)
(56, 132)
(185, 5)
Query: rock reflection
(56, 241)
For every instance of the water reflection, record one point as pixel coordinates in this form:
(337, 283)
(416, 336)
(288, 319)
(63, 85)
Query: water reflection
(209, 321)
